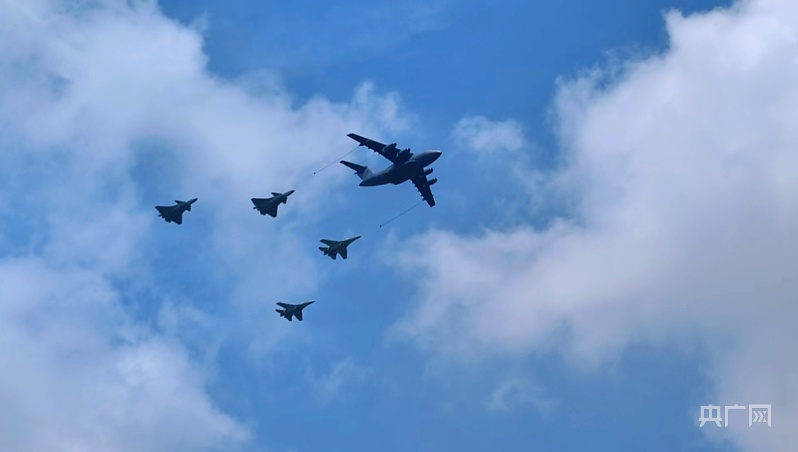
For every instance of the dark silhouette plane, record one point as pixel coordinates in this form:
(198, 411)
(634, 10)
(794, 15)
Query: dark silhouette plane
(336, 247)
(175, 213)
(268, 206)
(292, 310)
(405, 166)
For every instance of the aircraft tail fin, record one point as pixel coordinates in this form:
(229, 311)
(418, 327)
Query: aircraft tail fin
(363, 171)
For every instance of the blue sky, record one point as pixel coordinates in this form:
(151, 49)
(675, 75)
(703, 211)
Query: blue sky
(599, 203)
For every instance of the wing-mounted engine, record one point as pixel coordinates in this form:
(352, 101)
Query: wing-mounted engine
(432, 181)
(403, 156)
(389, 148)
(427, 172)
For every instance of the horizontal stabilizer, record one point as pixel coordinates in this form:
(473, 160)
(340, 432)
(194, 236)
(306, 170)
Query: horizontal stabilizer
(362, 171)
(354, 166)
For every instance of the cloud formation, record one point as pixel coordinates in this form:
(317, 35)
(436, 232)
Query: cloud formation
(681, 170)
(79, 374)
(515, 392)
(483, 135)
(344, 375)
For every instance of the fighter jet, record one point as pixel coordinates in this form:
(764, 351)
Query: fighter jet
(295, 310)
(335, 247)
(269, 205)
(175, 213)
(405, 166)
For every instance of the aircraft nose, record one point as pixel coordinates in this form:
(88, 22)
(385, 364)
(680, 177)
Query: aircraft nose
(289, 193)
(193, 201)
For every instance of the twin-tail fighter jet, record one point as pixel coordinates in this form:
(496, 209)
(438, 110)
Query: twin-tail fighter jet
(175, 213)
(335, 247)
(405, 166)
(269, 205)
(294, 310)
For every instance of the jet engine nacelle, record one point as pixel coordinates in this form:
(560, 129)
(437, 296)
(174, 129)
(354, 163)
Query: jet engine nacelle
(403, 156)
(432, 181)
(389, 148)
(428, 172)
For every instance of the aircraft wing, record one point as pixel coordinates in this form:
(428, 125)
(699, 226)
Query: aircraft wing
(422, 184)
(263, 208)
(375, 146)
(343, 252)
(298, 315)
(177, 218)
(284, 305)
(328, 242)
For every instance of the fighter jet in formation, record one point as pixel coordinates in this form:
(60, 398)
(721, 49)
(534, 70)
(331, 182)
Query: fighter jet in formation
(335, 247)
(175, 213)
(269, 205)
(405, 166)
(290, 310)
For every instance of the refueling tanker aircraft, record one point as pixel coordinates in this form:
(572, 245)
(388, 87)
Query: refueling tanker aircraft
(405, 166)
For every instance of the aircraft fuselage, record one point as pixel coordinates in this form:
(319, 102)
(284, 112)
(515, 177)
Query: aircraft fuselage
(402, 172)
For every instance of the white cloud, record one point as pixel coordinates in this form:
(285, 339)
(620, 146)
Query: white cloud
(682, 171)
(79, 375)
(515, 392)
(483, 135)
(346, 374)
(91, 90)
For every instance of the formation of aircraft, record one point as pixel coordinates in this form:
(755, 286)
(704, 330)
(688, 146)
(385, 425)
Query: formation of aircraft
(293, 309)
(405, 166)
(175, 213)
(268, 206)
(336, 247)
